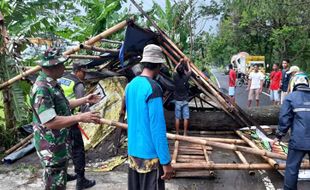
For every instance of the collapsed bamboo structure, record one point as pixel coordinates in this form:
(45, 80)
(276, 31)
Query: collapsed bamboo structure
(89, 42)
(210, 166)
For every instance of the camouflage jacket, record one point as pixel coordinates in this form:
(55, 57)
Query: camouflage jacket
(49, 101)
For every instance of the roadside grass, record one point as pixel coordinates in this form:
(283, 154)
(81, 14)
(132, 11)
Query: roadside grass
(24, 167)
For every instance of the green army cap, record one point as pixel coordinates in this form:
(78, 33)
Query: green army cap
(52, 57)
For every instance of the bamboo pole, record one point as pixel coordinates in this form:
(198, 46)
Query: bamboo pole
(205, 152)
(226, 146)
(205, 142)
(98, 49)
(229, 166)
(175, 152)
(212, 132)
(20, 76)
(272, 162)
(242, 117)
(244, 161)
(192, 157)
(15, 147)
(84, 57)
(91, 41)
(214, 97)
(100, 36)
(224, 140)
(111, 41)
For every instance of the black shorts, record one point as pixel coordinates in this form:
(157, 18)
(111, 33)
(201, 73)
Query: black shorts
(146, 181)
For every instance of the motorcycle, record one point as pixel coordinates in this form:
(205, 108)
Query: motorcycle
(242, 80)
(267, 80)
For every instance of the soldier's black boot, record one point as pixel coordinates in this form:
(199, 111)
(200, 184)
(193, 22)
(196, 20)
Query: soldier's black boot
(71, 177)
(83, 183)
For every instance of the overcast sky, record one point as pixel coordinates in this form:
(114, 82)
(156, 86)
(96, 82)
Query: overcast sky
(209, 25)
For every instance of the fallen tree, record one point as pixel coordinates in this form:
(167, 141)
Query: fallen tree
(219, 120)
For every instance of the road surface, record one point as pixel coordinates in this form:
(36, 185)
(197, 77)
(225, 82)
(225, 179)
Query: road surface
(241, 92)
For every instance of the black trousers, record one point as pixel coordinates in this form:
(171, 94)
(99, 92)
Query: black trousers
(146, 181)
(294, 159)
(78, 151)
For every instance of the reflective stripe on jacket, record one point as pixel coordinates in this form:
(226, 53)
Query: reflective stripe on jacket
(295, 114)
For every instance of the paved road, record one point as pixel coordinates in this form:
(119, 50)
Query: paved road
(241, 92)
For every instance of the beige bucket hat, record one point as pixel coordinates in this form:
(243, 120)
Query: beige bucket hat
(152, 54)
(293, 69)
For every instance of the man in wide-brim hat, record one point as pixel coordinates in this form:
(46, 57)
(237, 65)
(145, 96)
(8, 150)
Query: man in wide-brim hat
(148, 151)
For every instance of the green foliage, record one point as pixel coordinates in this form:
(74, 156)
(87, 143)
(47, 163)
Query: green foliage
(275, 29)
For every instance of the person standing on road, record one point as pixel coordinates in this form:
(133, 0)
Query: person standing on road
(74, 88)
(181, 77)
(148, 150)
(285, 78)
(255, 86)
(232, 82)
(294, 115)
(292, 72)
(275, 77)
(52, 117)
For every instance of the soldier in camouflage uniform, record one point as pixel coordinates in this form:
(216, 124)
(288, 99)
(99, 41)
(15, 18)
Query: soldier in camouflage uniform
(52, 118)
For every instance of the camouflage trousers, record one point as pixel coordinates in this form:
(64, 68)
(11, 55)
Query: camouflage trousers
(55, 178)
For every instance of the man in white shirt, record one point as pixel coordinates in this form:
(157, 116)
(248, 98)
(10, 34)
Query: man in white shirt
(255, 86)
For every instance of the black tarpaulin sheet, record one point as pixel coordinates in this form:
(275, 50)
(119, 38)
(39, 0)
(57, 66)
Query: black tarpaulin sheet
(136, 38)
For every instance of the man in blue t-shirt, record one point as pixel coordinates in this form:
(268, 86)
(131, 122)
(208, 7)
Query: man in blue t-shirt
(148, 151)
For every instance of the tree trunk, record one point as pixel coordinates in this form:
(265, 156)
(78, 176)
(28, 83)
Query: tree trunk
(220, 121)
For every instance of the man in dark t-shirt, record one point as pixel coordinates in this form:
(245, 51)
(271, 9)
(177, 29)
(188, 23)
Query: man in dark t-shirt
(285, 78)
(181, 77)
